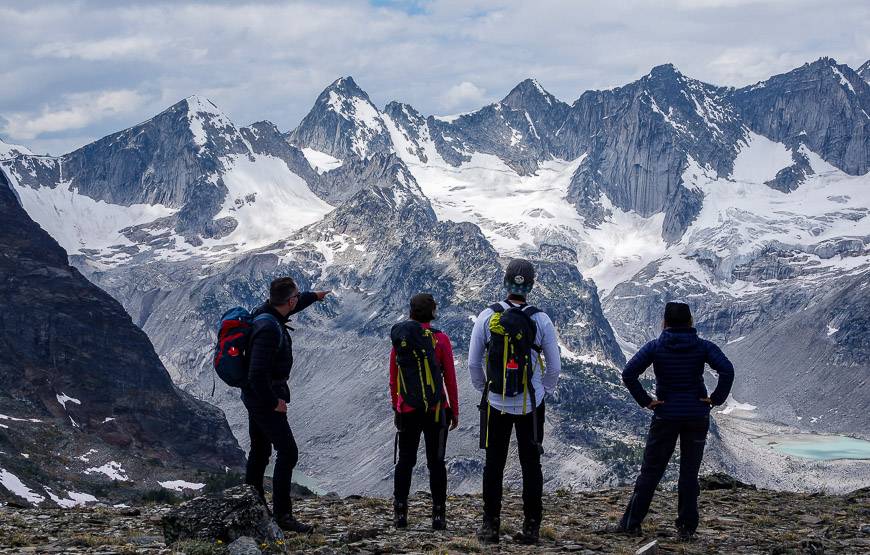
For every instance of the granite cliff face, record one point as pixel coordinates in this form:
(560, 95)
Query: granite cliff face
(823, 105)
(85, 399)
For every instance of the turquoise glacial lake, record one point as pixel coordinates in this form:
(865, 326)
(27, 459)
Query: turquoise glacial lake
(819, 447)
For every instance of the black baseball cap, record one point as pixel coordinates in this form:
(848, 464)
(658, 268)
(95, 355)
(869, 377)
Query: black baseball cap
(519, 277)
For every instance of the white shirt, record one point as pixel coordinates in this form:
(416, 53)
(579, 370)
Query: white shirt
(544, 380)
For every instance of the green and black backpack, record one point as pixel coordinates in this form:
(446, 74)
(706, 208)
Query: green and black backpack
(512, 335)
(419, 377)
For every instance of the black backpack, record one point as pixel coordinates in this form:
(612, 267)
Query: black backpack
(419, 377)
(512, 335)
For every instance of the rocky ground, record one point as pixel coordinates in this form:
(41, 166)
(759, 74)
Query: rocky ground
(733, 521)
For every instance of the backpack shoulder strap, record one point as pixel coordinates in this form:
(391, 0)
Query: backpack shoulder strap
(497, 307)
(530, 310)
(267, 316)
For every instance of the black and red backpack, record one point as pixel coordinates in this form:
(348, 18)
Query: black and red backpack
(231, 354)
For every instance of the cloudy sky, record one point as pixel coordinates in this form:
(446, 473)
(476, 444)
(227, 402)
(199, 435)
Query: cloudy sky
(74, 71)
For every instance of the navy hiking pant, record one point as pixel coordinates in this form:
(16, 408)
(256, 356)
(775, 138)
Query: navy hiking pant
(660, 444)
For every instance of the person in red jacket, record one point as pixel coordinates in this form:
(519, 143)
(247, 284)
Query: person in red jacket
(432, 424)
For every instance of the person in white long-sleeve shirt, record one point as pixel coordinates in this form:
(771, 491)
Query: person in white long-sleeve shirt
(501, 413)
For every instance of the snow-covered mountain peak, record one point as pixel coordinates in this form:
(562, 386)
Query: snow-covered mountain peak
(8, 150)
(864, 71)
(667, 72)
(343, 123)
(528, 94)
(205, 117)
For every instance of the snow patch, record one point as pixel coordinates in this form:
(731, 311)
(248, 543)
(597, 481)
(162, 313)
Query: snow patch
(111, 469)
(733, 404)
(86, 456)
(63, 399)
(760, 159)
(832, 330)
(321, 161)
(79, 222)
(13, 419)
(74, 498)
(12, 483)
(179, 485)
(843, 81)
(267, 200)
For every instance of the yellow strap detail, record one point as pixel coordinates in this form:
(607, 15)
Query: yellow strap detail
(429, 380)
(438, 412)
(525, 388)
(400, 381)
(422, 384)
(487, 424)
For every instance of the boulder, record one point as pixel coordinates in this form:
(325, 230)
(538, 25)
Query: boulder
(226, 516)
(720, 480)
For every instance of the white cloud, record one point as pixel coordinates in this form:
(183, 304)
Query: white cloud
(77, 111)
(270, 60)
(141, 47)
(463, 94)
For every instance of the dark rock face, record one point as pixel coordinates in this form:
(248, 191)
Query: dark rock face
(354, 175)
(520, 129)
(343, 123)
(824, 105)
(637, 139)
(235, 513)
(67, 338)
(864, 71)
(826, 342)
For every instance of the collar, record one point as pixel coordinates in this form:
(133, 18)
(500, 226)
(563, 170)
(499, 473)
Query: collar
(269, 309)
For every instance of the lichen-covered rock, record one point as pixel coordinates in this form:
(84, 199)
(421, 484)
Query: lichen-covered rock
(245, 545)
(226, 516)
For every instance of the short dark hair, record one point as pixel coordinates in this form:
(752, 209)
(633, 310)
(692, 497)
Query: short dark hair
(423, 307)
(678, 315)
(281, 290)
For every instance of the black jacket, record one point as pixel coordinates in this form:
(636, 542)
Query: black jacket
(271, 357)
(678, 357)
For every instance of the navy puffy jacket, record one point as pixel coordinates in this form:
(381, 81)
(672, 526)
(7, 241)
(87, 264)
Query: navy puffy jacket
(678, 357)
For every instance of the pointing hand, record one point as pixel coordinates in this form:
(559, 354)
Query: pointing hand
(321, 294)
(654, 404)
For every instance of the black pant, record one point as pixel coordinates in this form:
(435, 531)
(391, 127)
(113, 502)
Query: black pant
(269, 429)
(660, 444)
(500, 427)
(412, 424)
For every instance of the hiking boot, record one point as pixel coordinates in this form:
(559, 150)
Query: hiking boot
(488, 533)
(289, 524)
(685, 534)
(531, 532)
(620, 529)
(400, 514)
(439, 517)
